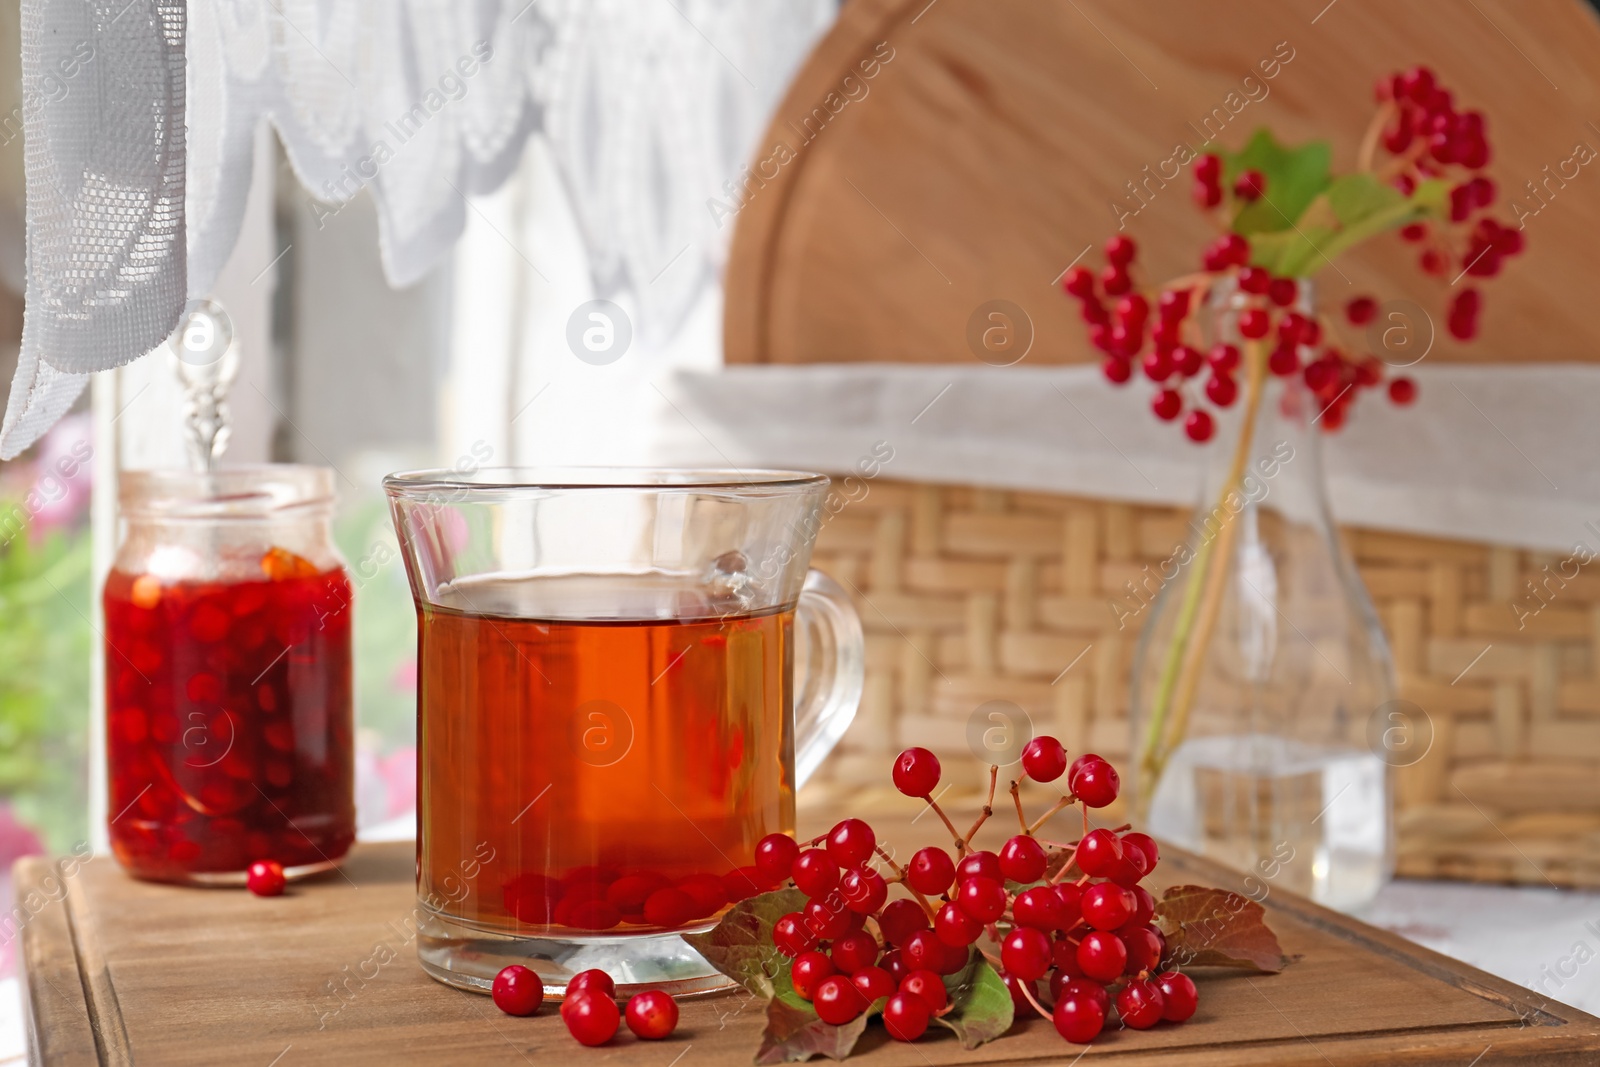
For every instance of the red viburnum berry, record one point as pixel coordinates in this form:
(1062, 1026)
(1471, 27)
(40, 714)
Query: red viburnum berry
(1167, 405)
(931, 871)
(807, 972)
(916, 772)
(1078, 1018)
(1044, 758)
(851, 842)
(1361, 310)
(652, 1015)
(906, 1017)
(1120, 250)
(592, 1018)
(265, 878)
(518, 990)
(1117, 369)
(1022, 859)
(837, 1000)
(1250, 185)
(1091, 779)
(1179, 996)
(1025, 953)
(928, 986)
(1254, 323)
(1402, 390)
(864, 890)
(1140, 1005)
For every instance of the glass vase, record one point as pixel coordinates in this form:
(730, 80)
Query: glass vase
(1261, 674)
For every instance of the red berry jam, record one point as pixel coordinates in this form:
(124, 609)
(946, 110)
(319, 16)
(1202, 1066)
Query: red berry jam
(229, 721)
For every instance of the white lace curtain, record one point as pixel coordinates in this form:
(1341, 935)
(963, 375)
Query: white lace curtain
(139, 119)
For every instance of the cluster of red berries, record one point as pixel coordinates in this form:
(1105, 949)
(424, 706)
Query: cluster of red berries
(1159, 336)
(1088, 935)
(589, 1008)
(1264, 306)
(1430, 139)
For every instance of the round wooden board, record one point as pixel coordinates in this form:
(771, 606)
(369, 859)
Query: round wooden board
(931, 157)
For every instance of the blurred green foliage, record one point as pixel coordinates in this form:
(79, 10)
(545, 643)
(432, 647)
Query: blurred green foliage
(45, 646)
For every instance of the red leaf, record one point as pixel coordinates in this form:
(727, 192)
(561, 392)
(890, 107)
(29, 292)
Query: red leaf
(1207, 927)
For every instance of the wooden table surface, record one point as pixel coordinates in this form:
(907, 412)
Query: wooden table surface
(120, 971)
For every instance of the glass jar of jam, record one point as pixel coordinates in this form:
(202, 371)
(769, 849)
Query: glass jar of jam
(228, 688)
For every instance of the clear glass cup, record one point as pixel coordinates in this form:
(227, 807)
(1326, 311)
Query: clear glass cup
(228, 686)
(623, 677)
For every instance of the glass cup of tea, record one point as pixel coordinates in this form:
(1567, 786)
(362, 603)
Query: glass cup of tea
(623, 677)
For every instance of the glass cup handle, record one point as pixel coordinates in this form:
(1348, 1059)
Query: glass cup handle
(830, 669)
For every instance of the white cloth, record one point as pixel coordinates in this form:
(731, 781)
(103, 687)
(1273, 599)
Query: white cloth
(650, 109)
(1500, 454)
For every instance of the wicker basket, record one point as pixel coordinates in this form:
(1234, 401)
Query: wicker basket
(969, 595)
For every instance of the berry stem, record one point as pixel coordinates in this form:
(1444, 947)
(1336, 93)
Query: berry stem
(1064, 802)
(955, 835)
(1016, 798)
(988, 810)
(1369, 140)
(1027, 991)
(1207, 588)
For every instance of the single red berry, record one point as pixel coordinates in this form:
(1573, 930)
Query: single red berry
(901, 919)
(1121, 250)
(1144, 905)
(1179, 996)
(928, 986)
(854, 951)
(669, 907)
(984, 899)
(1131, 869)
(1284, 361)
(265, 878)
(1132, 310)
(1223, 358)
(1044, 759)
(1413, 232)
(1025, 952)
(1078, 282)
(1144, 945)
(1140, 1005)
(1283, 291)
(1157, 364)
(1222, 390)
(706, 891)
(874, 983)
(1078, 1018)
(851, 842)
(906, 1017)
(1167, 405)
(791, 936)
(1102, 955)
(1255, 280)
(1321, 373)
(1207, 194)
(807, 972)
(1117, 369)
(981, 864)
(837, 1000)
(1173, 305)
(592, 1018)
(1087, 987)
(924, 951)
(954, 926)
(775, 854)
(1402, 390)
(1187, 361)
(1106, 905)
(1115, 280)
(1092, 780)
(1254, 323)
(1099, 852)
(1144, 843)
(1361, 310)
(518, 990)
(916, 772)
(1040, 907)
(931, 871)
(1071, 894)
(864, 890)
(1022, 858)
(1208, 167)
(827, 917)
(895, 964)
(593, 980)
(1235, 248)
(1020, 1005)
(652, 1015)
(815, 873)
(1250, 185)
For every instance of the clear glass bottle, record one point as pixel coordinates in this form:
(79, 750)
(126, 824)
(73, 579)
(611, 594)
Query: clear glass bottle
(1262, 674)
(228, 687)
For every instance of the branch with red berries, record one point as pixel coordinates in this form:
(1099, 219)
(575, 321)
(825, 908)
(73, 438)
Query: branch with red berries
(1062, 928)
(1284, 215)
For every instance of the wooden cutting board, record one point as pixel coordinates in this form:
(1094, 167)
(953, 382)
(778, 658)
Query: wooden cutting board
(120, 971)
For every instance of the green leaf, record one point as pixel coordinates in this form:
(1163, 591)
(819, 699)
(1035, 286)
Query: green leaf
(740, 946)
(983, 1009)
(1354, 208)
(1294, 178)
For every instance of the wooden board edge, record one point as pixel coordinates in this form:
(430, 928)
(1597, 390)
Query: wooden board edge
(752, 251)
(1546, 1026)
(54, 1005)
